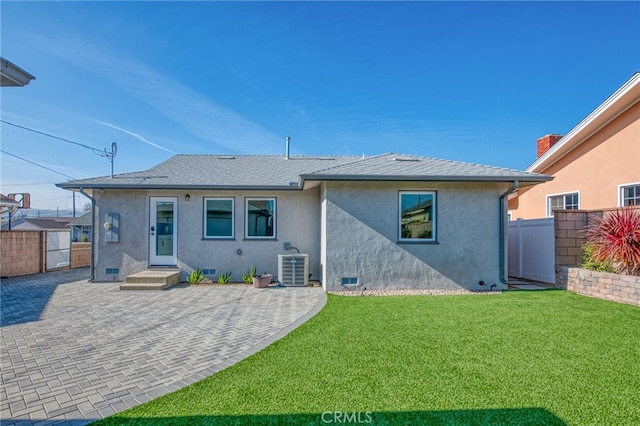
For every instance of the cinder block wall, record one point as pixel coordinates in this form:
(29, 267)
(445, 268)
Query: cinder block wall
(22, 252)
(567, 226)
(569, 275)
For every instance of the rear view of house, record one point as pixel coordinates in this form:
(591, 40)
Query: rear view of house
(381, 222)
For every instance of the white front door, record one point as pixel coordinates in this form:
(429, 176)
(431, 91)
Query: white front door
(163, 229)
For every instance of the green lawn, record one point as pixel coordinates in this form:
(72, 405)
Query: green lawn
(543, 357)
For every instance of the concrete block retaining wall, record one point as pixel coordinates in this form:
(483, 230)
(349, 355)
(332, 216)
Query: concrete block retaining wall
(603, 285)
(569, 276)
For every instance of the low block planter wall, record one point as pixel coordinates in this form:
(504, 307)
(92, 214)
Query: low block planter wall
(603, 285)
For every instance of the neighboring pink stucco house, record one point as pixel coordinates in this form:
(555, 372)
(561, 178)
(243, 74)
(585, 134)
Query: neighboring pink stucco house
(596, 165)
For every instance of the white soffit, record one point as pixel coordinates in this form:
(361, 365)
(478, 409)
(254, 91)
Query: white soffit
(620, 101)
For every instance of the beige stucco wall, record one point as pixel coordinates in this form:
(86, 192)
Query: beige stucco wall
(595, 169)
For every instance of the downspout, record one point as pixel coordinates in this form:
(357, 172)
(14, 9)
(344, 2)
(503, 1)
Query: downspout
(92, 273)
(503, 233)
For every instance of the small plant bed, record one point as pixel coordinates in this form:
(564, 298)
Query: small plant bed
(530, 358)
(613, 242)
(196, 277)
(209, 283)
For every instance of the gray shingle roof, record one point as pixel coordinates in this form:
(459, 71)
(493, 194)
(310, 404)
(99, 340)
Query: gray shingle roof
(393, 166)
(84, 220)
(277, 172)
(46, 222)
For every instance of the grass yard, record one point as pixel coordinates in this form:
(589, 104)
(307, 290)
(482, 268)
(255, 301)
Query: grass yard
(530, 358)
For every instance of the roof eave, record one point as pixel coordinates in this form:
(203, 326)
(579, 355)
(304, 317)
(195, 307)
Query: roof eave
(75, 186)
(13, 75)
(619, 102)
(534, 179)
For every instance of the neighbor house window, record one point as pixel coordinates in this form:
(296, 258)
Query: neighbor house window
(630, 195)
(562, 202)
(417, 216)
(218, 218)
(260, 218)
(81, 234)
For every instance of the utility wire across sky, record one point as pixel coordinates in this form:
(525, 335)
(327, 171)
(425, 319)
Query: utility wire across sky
(96, 151)
(36, 164)
(101, 153)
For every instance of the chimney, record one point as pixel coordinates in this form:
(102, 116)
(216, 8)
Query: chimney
(546, 142)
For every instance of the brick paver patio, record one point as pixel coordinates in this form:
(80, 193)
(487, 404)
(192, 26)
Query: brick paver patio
(73, 351)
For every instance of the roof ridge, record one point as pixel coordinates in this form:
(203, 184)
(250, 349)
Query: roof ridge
(267, 155)
(467, 163)
(356, 161)
(360, 160)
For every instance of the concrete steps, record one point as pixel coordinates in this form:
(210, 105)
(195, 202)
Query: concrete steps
(152, 279)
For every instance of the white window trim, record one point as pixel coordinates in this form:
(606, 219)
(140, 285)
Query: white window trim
(434, 235)
(548, 207)
(246, 218)
(620, 191)
(233, 218)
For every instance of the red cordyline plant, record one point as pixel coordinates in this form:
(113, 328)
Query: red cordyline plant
(616, 238)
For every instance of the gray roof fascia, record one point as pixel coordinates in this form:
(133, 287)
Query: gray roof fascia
(413, 178)
(13, 75)
(78, 186)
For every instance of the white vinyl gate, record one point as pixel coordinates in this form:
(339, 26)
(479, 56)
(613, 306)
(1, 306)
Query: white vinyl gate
(532, 250)
(58, 249)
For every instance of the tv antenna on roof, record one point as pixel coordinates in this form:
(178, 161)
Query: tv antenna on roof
(111, 155)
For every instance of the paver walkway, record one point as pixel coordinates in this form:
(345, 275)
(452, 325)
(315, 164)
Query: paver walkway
(73, 352)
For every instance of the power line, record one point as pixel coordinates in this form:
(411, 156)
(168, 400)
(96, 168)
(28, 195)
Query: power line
(36, 164)
(94, 150)
(27, 184)
(55, 199)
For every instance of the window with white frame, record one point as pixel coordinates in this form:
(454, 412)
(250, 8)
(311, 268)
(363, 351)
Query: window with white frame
(417, 216)
(630, 195)
(570, 201)
(219, 218)
(260, 218)
(81, 233)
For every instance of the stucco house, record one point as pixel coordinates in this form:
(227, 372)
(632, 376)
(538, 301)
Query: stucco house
(380, 222)
(595, 166)
(81, 228)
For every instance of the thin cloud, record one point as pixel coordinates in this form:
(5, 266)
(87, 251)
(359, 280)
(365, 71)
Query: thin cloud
(137, 136)
(196, 113)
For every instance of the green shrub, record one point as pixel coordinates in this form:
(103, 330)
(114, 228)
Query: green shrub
(196, 277)
(589, 261)
(224, 278)
(248, 278)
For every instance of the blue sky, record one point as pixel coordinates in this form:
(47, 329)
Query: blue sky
(476, 82)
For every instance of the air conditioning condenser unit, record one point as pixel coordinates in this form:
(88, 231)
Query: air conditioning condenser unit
(293, 269)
